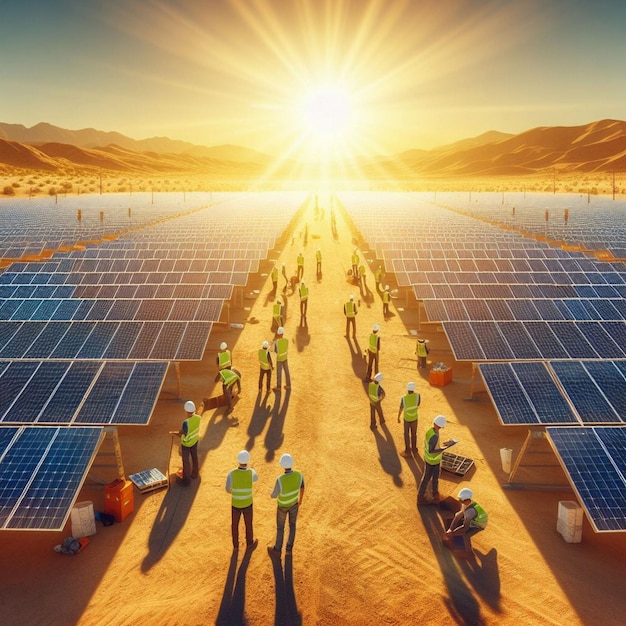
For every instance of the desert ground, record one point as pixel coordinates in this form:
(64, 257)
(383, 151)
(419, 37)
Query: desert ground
(365, 553)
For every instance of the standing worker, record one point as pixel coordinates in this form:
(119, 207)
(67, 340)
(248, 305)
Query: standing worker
(386, 300)
(224, 357)
(189, 434)
(304, 300)
(378, 275)
(265, 365)
(289, 489)
(350, 311)
(422, 351)
(318, 259)
(373, 352)
(230, 378)
(281, 346)
(283, 271)
(239, 483)
(355, 264)
(470, 519)
(362, 276)
(274, 278)
(408, 405)
(277, 314)
(432, 461)
(300, 263)
(376, 395)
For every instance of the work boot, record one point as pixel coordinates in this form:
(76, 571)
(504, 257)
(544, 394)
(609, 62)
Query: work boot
(405, 453)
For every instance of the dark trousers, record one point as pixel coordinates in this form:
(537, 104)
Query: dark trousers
(372, 360)
(281, 517)
(431, 474)
(247, 519)
(351, 321)
(303, 307)
(410, 435)
(268, 374)
(374, 410)
(300, 273)
(190, 461)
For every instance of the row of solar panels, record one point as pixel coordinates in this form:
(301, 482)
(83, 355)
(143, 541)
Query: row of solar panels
(510, 341)
(557, 392)
(580, 309)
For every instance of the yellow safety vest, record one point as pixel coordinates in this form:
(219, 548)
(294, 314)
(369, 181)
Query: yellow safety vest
(290, 484)
(304, 292)
(355, 259)
(264, 360)
(274, 275)
(386, 297)
(410, 402)
(281, 349)
(372, 391)
(228, 377)
(241, 487)
(421, 348)
(318, 256)
(193, 431)
(277, 310)
(373, 345)
(224, 359)
(480, 521)
(300, 260)
(350, 309)
(432, 458)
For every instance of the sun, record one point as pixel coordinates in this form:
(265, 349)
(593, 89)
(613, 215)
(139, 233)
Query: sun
(326, 113)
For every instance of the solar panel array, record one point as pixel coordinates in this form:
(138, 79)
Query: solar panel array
(41, 471)
(595, 461)
(86, 335)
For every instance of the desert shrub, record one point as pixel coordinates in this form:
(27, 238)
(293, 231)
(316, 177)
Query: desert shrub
(52, 191)
(8, 191)
(15, 185)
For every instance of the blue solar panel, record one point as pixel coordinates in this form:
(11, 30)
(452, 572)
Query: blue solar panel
(519, 340)
(610, 378)
(492, 342)
(41, 472)
(573, 340)
(601, 341)
(593, 472)
(463, 341)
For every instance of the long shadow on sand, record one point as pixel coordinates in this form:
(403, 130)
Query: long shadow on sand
(260, 414)
(359, 364)
(387, 454)
(233, 603)
(274, 435)
(286, 612)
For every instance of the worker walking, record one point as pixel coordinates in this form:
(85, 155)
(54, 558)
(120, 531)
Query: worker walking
(265, 365)
(355, 264)
(318, 260)
(277, 314)
(378, 276)
(421, 351)
(350, 310)
(274, 276)
(432, 461)
(239, 484)
(230, 379)
(300, 263)
(283, 272)
(189, 434)
(224, 358)
(304, 300)
(373, 352)
(289, 491)
(470, 518)
(386, 300)
(408, 405)
(376, 395)
(281, 347)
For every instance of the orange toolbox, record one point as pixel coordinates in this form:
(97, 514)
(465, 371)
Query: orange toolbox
(440, 378)
(118, 499)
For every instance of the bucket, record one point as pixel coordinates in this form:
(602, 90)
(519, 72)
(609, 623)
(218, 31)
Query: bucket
(505, 457)
(83, 520)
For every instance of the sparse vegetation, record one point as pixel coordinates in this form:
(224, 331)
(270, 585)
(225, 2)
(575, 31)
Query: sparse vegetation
(8, 190)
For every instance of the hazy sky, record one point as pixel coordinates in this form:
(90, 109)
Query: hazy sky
(398, 74)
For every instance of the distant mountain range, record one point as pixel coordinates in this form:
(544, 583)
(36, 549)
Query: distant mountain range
(594, 147)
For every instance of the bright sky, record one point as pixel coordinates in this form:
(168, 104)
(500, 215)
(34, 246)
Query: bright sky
(377, 76)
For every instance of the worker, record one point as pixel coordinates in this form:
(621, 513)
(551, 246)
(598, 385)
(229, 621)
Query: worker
(432, 461)
(408, 405)
(189, 434)
(277, 314)
(265, 365)
(224, 357)
(470, 519)
(230, 378)
(304, 299)
(289, 490)
(274, 276)
(378, 275)
(239, 484)
(350, 310)
(373, 352)
(318, 259)
(300, 263)
(386, 300)
(376, 395)
(281, 346)
(283, 271)
(421, 351)
(362, 274)
(355, 264)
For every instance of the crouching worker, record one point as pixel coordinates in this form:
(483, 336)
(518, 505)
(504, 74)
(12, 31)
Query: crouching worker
(470, 519)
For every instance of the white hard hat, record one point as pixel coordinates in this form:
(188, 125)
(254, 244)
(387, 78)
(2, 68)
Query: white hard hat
(440, 421)
(223, 345)
(378, 378)
(286, 461)
(375, 328)
(265, 345)
(280, 331)
(351, 297)
(190, 407)
(243, 457)
(386, 287)
(410, 386)
(465, 494)
(302, 282)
